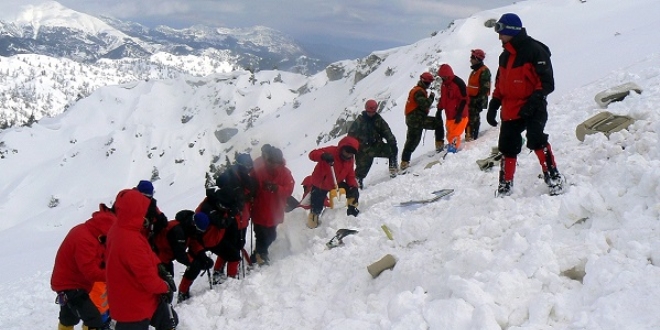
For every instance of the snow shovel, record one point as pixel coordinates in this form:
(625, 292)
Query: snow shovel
(337, 192)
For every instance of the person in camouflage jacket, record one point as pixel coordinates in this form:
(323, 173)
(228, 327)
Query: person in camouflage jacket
(369, 128)
(478, 90)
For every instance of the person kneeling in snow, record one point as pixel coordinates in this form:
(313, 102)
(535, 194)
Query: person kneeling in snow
(333, 163)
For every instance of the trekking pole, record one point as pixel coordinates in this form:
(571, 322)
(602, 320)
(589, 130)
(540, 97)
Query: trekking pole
(208, 274)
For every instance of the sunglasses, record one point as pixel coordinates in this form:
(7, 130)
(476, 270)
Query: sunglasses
(499, 26)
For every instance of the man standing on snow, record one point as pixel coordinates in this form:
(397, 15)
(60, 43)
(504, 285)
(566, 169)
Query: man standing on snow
(524, 79)
(369, 128)
(418, 119)
(138, 294)
(453, 99)
(79, 264)
(478, 89)
(275, 184)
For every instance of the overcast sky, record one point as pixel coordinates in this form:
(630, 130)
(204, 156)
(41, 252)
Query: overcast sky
(358, 24)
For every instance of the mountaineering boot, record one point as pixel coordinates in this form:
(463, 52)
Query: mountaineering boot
(64, 327)
(555, 181)
(312, 220)
(439, 146)
(404, 165)
(468, 133)
(183, 296)
(360, 183)
(394, 167)
(505, 188)
(261, 259)
(352, 207)
(219, 277)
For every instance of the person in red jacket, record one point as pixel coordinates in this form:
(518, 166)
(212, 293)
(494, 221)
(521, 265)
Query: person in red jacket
(340, 160)
(524, 79)
(79, 263)
(453, 99)
(139, 296)
(275, 184)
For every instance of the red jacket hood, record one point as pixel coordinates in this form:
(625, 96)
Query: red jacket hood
(101, 221)
(131, 208)
(349, 141)
(446, 71)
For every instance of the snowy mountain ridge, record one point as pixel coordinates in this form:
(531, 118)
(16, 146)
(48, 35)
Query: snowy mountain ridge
(583, 260)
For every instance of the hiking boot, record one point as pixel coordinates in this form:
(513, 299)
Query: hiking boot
(360, 183)
(555, 182)
(393, 172)
(312, 220)
(261, 259)
(439, 146)
(219, 277)
(505, 188)
(183, 296)
(404, 165)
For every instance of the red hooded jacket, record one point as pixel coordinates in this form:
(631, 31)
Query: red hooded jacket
(344, 169)
(80, 259)
(134, 287)
(268, 206)
(453, 94)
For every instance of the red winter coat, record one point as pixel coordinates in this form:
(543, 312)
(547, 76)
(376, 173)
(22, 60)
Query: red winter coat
(134, 287)
(268, 206)
(344, 169)
(80, 259)
(453, 94)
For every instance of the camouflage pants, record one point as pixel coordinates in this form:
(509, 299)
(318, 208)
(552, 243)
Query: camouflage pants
(417, 121)
(474, 121)
(366, 154)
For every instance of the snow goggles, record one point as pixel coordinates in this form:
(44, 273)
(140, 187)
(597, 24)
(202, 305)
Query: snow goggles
(499, 26)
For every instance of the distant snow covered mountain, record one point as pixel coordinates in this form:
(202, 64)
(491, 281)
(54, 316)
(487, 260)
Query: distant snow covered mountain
(54, 30)
(56, 56)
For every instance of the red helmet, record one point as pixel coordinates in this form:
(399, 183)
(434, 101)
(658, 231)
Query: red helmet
(426, 77)
(479, 54)
(371, 106)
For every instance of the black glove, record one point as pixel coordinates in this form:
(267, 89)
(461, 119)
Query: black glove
(270, 186)
(492, 111)
(431, 96)
(534, 102)
(203, 261)
(328, 158)
(167, 277)
(352, 210)
(168, 297)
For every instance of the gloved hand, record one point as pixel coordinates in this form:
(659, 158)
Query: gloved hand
(431, 96)
(492, 111)
(168, 297)
(167, 277)
(272, 187)
(352, 210)
(328, 158)
(203, 261)
(534, 102)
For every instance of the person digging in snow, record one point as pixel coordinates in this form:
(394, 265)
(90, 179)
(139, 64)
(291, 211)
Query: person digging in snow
(340, 160)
